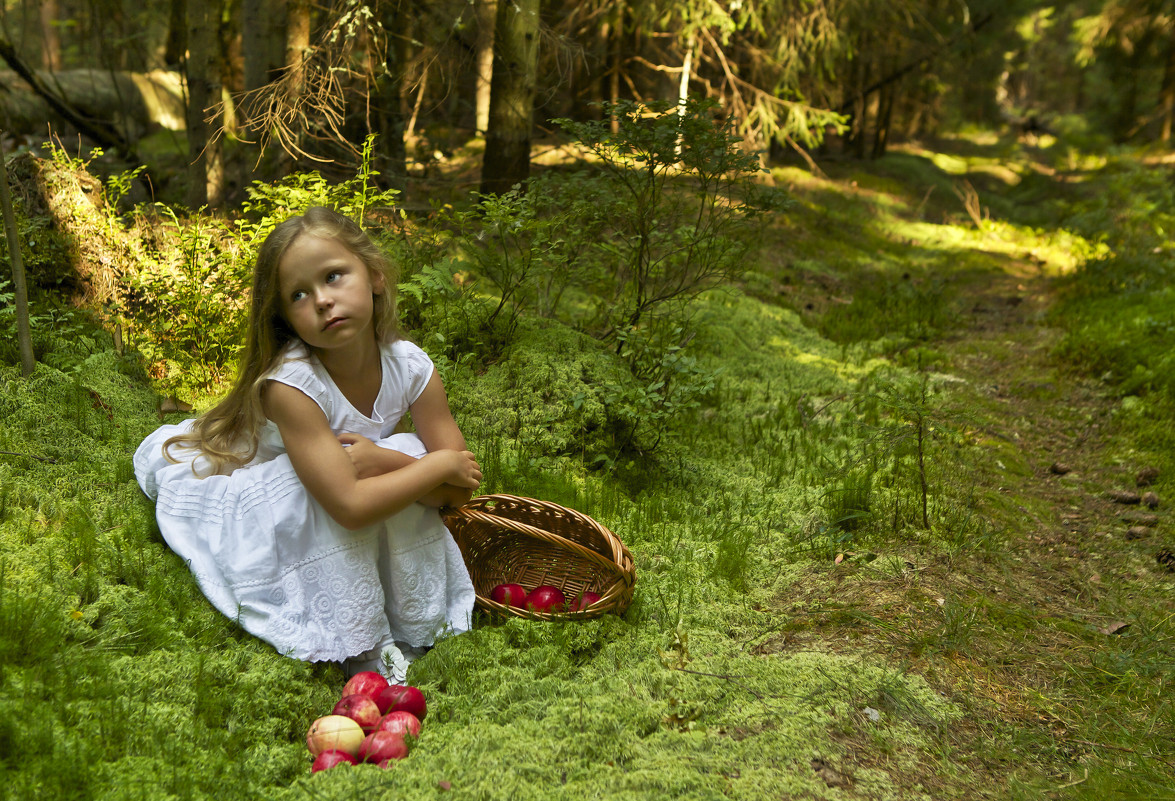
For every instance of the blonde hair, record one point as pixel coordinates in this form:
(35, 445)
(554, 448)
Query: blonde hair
(228, 433)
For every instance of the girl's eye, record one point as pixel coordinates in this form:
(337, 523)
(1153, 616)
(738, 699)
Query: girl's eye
(333, 276)
(297, 296)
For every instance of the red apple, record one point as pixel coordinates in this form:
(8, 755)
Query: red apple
(400, 721)
(382, 747)
(584, 601)
(408, 699)
(360, 708)
(546, 599)
(330, 759)
(366, 682)
(334, 732)
(509, 594)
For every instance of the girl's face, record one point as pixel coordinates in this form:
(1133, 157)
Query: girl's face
(326, 293)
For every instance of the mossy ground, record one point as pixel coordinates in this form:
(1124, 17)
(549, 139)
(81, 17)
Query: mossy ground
(797, 632)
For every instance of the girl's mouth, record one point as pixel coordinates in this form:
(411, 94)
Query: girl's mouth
(334, 322)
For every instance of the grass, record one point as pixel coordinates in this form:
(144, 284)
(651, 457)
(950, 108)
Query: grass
(797, 632)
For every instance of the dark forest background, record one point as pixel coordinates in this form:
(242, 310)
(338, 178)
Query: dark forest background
(213, 95)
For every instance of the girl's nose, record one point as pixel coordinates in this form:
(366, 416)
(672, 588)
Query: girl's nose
(323, 300)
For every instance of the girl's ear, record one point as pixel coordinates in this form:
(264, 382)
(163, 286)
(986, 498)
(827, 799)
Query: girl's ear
(378, 282)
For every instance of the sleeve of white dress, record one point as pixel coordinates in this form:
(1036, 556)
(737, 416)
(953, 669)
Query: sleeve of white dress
(297, 370)
(420, 368)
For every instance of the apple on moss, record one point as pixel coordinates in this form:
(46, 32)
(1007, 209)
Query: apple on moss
(383, 748)
(332, 758)
(360, 708)
(334, 732)
(400, 721)
(365, 682)
(409, 699)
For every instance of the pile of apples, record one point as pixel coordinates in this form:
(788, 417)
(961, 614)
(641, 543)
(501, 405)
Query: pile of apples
(371, 723)
(546, 598)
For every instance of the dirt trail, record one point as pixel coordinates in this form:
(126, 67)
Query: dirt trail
(1009, 629)
(1062, 423)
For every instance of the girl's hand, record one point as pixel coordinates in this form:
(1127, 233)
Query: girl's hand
(461, 468)
(366, 456)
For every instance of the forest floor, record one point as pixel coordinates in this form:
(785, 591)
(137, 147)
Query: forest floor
(1027, 637)
(1014, 643)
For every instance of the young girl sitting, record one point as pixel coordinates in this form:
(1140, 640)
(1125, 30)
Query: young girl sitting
(300, 512)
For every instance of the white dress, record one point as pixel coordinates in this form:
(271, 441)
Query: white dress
(269, 556)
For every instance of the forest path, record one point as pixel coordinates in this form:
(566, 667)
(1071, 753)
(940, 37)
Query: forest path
(1059, 603)
(1062, 423)
(1033, 623)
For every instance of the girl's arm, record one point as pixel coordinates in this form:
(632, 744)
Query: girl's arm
(326, 470)
(370, 460)
(437, 430)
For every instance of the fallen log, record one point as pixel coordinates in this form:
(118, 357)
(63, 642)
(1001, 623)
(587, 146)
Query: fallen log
(132, 103)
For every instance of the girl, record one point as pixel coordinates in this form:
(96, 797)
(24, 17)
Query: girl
(300, 513)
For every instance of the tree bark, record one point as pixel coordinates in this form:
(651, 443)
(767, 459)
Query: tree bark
(617, 63)
(50, 38)
(24, 337)
(507, 153)
(297, 48)
(884, 119)
(297, 36)
(177, 33)
(1167, 94)
(389, 93)
(263, 41)
(142, 101)
(487, 14)
(205, 167)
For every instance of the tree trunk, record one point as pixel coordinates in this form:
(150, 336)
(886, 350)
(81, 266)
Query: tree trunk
(617, 62)
(507, 153)
(205, 167)
(297, 37)
(1167, 93)
(487, 13)
(860, 120)
(24, 337)
(263, 41)
(389, 93)
(177, 33)
(687, 65)
(142, 102)
(884, 118)
(50, 38)
(297, 48)
(100, 131)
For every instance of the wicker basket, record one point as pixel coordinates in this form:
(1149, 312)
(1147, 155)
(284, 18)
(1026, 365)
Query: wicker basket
(506, 539)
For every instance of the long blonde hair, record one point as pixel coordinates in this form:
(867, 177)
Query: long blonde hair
(228, 433)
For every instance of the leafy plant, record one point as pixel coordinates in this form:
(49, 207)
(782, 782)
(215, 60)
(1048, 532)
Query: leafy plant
(669, 382)
(678, 219)
(189, 307)
(270, 204)
(188, 304)
(523, 244)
